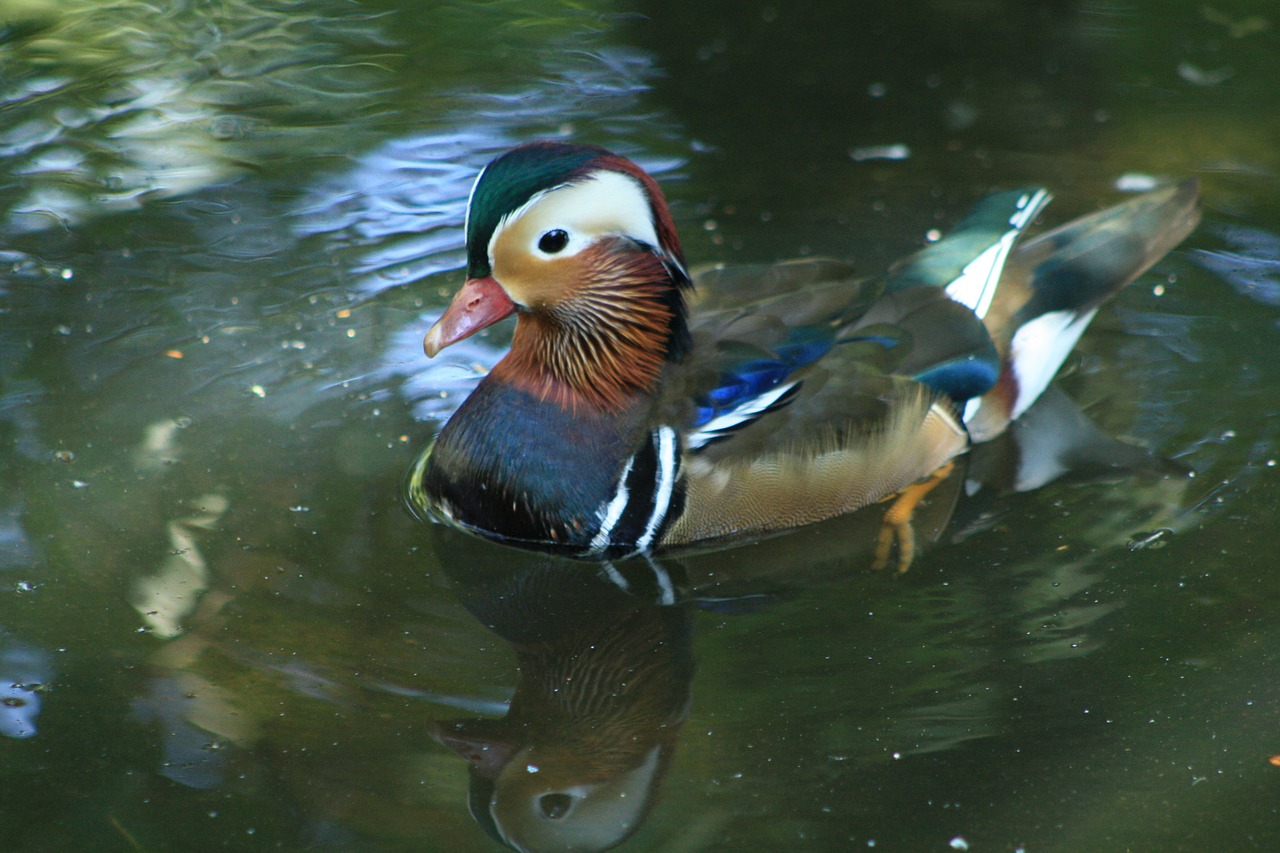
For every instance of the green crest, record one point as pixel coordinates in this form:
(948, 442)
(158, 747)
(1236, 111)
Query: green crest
(510, 181)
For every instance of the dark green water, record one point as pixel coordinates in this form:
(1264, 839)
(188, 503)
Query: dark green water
(224, 228)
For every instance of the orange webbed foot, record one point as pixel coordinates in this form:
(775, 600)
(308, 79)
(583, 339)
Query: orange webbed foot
(896, 524)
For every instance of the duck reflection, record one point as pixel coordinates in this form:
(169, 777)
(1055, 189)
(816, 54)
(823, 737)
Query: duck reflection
(605, 664)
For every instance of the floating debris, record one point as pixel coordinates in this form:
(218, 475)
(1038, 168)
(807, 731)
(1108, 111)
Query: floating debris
(897, 151)
(1197, 76)
(1150, 540)
(1136, 182)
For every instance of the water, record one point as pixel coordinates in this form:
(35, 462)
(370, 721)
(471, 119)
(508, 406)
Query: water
(226, 228)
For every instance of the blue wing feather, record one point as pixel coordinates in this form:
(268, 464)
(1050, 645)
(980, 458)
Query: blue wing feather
(962, 378)
(742, 385)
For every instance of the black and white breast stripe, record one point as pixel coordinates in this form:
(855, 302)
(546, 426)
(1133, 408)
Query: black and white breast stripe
(649, 495)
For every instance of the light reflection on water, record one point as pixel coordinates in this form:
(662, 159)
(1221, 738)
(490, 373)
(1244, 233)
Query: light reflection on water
(226, 233)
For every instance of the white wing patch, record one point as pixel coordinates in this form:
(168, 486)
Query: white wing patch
(1038, 350)
(746, 411)
(975, 287)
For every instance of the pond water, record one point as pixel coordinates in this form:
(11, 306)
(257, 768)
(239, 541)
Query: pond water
(226, 227)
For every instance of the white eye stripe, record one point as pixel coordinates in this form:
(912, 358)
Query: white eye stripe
(514, 216)
(605, 204)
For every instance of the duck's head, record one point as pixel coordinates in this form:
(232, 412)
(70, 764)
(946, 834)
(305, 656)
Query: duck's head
(579, 244)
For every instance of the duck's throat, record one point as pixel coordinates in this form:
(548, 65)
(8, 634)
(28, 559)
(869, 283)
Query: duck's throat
(604, 356)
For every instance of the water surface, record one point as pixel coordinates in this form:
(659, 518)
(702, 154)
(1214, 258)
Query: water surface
(226, 228)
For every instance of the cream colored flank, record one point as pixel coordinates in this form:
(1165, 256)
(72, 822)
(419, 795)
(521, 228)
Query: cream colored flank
(801, 486)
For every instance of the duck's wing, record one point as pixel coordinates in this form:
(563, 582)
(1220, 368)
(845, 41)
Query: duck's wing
(794, 406)
(763, 333)
(784, 355)
(759, 334)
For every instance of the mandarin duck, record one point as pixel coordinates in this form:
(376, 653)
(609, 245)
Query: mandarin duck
(644, 408)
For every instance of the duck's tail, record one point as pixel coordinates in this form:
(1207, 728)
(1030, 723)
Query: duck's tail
(1049, 287)
(1034, 297)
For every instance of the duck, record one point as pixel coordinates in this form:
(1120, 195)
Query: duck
(646, 408)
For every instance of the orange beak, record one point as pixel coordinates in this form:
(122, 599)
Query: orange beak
(479, 304)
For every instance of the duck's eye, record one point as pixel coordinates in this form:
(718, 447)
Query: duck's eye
(555, 806)
(553, 241)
